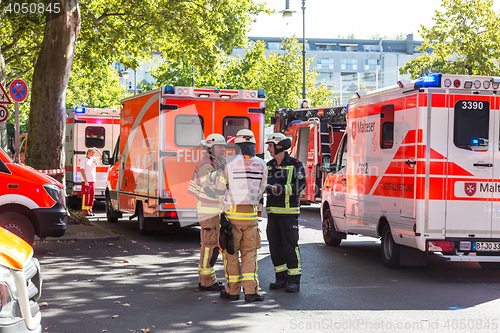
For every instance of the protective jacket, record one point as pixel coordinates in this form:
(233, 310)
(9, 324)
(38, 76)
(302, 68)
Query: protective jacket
(290, 178)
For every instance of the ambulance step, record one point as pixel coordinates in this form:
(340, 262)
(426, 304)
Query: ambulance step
(471, 258)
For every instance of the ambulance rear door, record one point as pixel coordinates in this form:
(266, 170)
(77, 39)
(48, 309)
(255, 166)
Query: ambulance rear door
(473, 135)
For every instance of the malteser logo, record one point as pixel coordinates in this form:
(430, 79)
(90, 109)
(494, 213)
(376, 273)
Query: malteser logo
(361, 127)
(353, 130)
(470, 189)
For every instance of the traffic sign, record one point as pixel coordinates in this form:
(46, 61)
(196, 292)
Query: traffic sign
(4, 113)
(18, 90)
(4, 98)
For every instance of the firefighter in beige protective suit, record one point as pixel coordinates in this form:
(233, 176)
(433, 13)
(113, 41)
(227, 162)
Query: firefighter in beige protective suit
(243, 181)
(209, 209)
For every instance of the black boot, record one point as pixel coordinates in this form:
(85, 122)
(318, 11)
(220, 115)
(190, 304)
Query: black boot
(277, 284)
(292, 287)
(224, 294)
(217, 286)
(254, 297)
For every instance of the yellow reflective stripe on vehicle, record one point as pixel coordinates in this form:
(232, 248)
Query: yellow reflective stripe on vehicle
(281, 210)
(234, 278)
(280, 268)
(250, 276)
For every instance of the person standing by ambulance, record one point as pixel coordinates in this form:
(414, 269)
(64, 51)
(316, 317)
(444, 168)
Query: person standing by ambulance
(209, 209)
(286, 179)
(88, 166)
(244, 183)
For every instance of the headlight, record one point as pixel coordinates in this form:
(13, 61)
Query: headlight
(9, 307)
(55, 192)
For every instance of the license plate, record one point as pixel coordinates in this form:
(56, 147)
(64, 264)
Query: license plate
(486, 246)
(189, 214)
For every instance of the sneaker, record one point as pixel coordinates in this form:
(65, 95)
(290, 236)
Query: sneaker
(217, 286)
(277, 285)
(254, 297)
(224, 294)
(292, 287)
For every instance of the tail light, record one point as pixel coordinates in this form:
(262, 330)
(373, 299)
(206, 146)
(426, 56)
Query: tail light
(441, 246)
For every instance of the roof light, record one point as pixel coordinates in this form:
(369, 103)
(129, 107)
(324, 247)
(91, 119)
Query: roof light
(433, 80)
(468, 84)
(204, 95)
(403, 83)
(247, 94)
(261, 94)
(447, 83)
(495, 85)
(80, 110)
(360, 94)
(253, 94)
(185, 91)
(456, 83)
(169, 90)
(104, 113)
(477, 84)
(225, 96)
(486, 84)
(179, 91)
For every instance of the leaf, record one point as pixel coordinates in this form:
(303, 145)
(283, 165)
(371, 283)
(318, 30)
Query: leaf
(114, 316)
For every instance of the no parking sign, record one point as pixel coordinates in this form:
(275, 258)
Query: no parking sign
(18, 90)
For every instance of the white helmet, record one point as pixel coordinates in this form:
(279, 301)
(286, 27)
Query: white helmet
(280, 139)
(244, 136)
(213, 139)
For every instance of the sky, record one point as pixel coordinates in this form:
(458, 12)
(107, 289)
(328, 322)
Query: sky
(363, 18)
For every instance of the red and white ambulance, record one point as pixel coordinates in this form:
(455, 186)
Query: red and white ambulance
(159, 148)
(87, 128)
(419, 166)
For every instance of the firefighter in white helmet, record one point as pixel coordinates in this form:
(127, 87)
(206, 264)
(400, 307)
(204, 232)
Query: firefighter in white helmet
(209, 209)
(286, 179)
(244, 181)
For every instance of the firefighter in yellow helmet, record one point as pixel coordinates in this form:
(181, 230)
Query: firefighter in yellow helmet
(209, 209)
(244, 182)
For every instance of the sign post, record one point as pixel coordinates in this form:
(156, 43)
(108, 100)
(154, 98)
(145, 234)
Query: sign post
(4, 113)
(18, 91)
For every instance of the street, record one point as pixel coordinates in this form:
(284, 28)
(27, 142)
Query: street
(148, 284)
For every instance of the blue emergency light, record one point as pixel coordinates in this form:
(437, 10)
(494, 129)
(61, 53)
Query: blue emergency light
(261, 93)
(169, 90)
(79, 109)
(430, 81)
(475, 141)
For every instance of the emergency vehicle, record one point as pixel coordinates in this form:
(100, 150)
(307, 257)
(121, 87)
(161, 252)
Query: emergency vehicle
(419, 166)
(87, 128)
(159, 148)
(315, 134)
(31, 203)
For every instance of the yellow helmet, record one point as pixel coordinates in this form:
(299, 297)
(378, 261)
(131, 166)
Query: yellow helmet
(213, 139)
(244, 136)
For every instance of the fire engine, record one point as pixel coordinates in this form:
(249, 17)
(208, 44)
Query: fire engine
(159, 148)
(315, 134)
(417, 166)
(87, 128)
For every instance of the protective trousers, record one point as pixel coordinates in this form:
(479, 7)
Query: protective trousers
(283, 236)
(246, 242)
(88, 197)
(209, 250)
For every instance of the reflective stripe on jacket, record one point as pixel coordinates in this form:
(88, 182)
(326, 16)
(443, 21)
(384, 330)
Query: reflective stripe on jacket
(200, 185)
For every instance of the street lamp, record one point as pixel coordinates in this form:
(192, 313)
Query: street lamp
(124, 75)
(287, 16)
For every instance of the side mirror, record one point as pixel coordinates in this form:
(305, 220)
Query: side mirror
(105, 157)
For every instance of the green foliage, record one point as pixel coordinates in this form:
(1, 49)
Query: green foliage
(400, 36)
(464, 40)
(349, 36)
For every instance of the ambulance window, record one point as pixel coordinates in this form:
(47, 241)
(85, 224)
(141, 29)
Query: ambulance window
(188, 130)
(387, 126)
(471, 125)
(94, 136)
(231, 126)
(22, 145)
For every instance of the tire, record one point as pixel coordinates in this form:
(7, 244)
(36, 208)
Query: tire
(110, 212)
(389, 249)
(330, 234)
(19, 225)
(142, 221)
(490, 265)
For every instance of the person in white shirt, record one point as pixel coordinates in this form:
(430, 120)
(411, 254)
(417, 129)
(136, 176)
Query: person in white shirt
(88, 170)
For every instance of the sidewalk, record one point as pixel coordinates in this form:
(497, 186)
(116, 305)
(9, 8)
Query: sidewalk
(86, 233)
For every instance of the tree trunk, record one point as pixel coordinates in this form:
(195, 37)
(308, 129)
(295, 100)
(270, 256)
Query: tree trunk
(47, 119)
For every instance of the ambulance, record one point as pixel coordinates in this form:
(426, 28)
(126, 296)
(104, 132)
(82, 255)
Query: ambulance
(31, 203)
(419, 167)
(159, 148)
(87, 128)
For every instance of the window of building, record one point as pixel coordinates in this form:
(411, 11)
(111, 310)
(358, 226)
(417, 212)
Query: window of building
(371, 48)
(188, 130)
(324, 47)
(325, 63)
(95, 136)
(231, 126)
(274, 46)
(349, 64)
(387, 127)
(328, 76)
(471, 125)
(370, 64)
(348, 48)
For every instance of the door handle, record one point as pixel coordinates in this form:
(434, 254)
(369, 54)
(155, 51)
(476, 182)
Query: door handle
(343, 180)
(410, 162)
(487, 165)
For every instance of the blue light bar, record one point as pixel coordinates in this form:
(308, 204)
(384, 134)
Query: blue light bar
(475, 141)
(169, 90)
(431, 81)
(79, 109)
(261, 93)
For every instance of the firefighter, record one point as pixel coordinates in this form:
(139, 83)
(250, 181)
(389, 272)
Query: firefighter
(209, 209)
(243, 181)
(286, 179)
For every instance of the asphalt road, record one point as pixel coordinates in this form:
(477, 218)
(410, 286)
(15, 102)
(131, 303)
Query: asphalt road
(148, 284)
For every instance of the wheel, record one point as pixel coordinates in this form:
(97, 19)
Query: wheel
(110, 213)
(490, 265)
(19, 225)
(330, 235)
(142, 221)
(389, 249)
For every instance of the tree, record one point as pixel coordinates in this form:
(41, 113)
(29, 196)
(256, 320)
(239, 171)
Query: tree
(464, 40)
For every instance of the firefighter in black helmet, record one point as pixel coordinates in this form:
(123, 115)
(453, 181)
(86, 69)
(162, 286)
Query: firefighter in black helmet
(286, 179)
